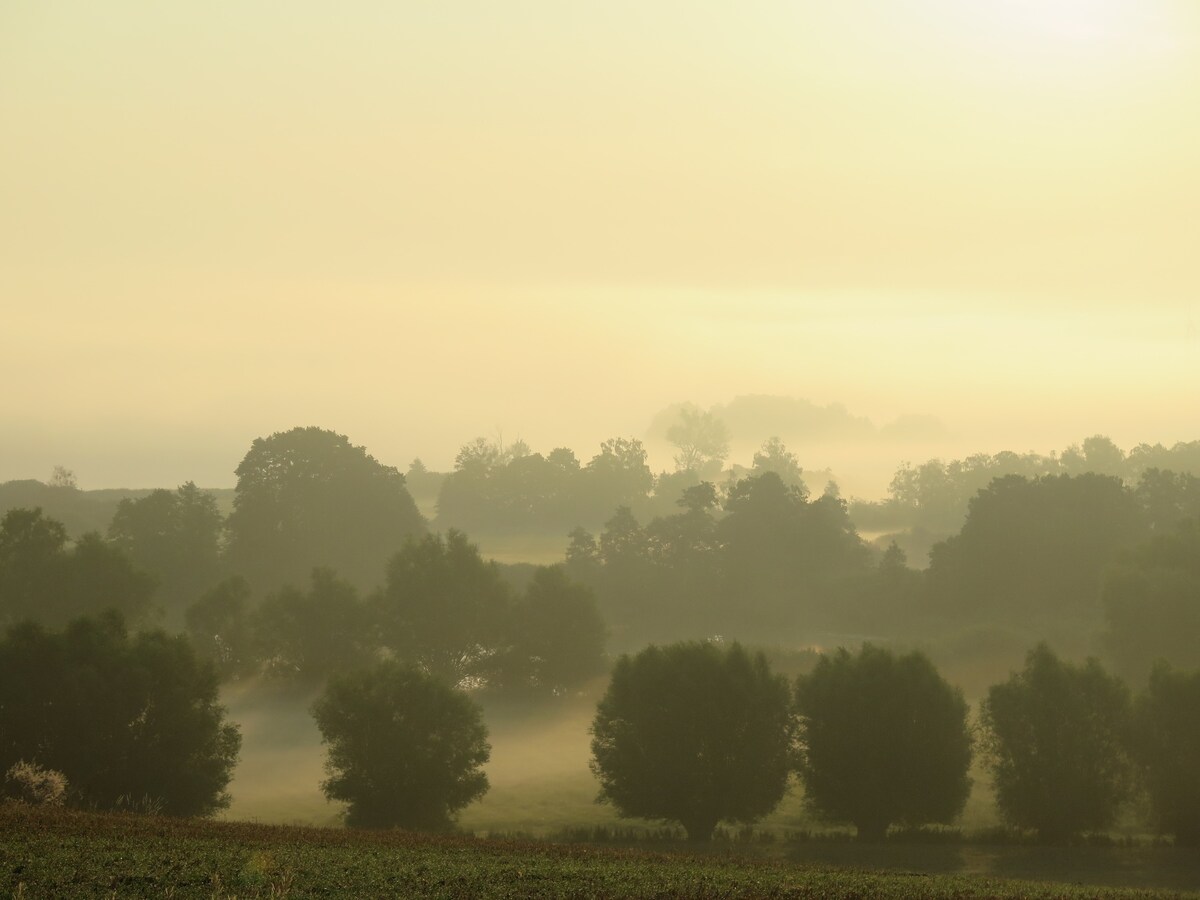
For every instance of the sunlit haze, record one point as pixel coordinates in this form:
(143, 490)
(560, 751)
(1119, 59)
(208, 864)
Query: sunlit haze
(415, 223)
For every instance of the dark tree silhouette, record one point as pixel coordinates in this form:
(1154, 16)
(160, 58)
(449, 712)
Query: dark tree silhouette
(884, 740)
(1032, 552)
(220, 628)
(405, 749)
(1166, 746)
(309, 498)
(1151, 602)
(308, 635)
(1055, 740)
(44, 580)
(443, 607)
(176, 537)
(557, 636)
(695, 734)
(126, 720)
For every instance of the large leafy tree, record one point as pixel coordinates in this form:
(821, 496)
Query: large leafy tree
(443, 607)
(693, 733)
(1152, 604)
(308, 635)
(1033, 551)
(308, 497)
(44, 580)
(405, 749)
(616, 476)
(1055, 736)
(176, 537)
(220, 628)
(1166, 746)
(126, 719)
(556, 634)
(884, 740)
(786, 556)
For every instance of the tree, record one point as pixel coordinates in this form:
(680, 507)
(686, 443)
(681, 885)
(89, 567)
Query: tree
(62, 477)
(775, 457)
(308, 498)
(176, 537)
(443, 608)
(616, 476)
(701, 439)
(124, 719)
(309, 635)
(1098, 454)
(1166, 746)
(786, 557)
(884, 740)
(44, 580)
(695, 734)
(220, 628)
(556, 635)
(1055, 745)
(405, 749)
(1151, 600)
(1032, 552)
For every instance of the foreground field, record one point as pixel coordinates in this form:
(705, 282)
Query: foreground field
(72, 854)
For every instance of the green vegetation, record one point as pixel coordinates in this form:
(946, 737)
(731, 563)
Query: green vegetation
(69, 854)
(695, 734)
(405, 749)
(127, 720)
(884, 740)
(1056, 737)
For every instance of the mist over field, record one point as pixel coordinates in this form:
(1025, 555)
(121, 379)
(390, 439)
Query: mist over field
(771, 425)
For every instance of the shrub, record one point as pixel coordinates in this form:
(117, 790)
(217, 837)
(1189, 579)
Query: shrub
(30, 783)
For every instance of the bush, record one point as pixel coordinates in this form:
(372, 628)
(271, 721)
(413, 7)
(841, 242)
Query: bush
(1055, 740)
(694, 734)
(405, 748)
(30, 783)
(884, 739)
(120, 717)
(1166, 746)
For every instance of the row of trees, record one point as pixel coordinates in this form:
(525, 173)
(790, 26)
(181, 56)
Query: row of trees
(696, 734)
(442, 608)
(764, 560)
(509, 488)
(1074, 558)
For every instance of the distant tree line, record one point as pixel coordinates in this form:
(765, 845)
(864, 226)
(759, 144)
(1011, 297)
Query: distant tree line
(934, 496)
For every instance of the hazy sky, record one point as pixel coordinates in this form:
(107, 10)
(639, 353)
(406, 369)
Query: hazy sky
(415, 222)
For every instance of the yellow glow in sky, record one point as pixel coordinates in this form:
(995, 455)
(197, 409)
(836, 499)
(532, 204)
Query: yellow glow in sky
(417, 223)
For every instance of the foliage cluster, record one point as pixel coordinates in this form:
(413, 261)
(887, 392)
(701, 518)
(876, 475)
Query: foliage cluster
(124, 719)
(769, 564)
(404, 748)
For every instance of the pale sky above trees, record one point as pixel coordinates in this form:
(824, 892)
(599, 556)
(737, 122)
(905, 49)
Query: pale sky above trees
(414, 223)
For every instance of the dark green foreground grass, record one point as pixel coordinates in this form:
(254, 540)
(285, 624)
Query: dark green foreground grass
(63, 854)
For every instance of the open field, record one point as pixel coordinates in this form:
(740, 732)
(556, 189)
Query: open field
(65, 854)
